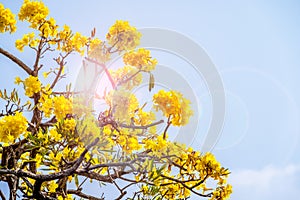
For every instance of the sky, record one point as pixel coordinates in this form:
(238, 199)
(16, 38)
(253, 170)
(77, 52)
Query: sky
(254, 46)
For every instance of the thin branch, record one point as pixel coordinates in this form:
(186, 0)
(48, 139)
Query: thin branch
(105, 70)
(129, 78)
(61, 66)
(141, 127)
(37, 58)
(187, 187)
(2, 195)
(119, 164)
(102, 178)
(121, 195)
(167, 127)
(16, 60)
(81, 194)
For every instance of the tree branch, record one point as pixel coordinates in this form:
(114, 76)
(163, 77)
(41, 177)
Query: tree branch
(105, 70)
(49, 177)
(141, 127)
(16, 60)
(81, 194)
(2, 195)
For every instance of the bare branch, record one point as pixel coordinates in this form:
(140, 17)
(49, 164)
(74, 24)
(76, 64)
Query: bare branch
(81, 194)
(16, 60)
(119, 164)
(61, 66)
(37, 58)
(105, 70)
(141, 127)
(99, 177)
(2, 195)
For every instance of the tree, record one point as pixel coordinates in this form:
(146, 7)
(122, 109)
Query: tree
(64, 141)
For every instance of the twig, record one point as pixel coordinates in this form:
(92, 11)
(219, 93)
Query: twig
(167, 127)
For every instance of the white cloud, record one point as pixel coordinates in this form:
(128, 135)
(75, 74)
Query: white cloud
(270, 182)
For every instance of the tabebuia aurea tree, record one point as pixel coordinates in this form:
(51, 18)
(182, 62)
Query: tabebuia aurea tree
(53, 143)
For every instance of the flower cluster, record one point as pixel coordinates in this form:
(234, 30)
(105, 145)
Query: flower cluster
(7, 20)
(174, 106)
(76, 43)
(122, 36)
(124, 105)
(31, 84)
(127, 77)
(28, 39)
(12, 126)
(48, 28)
(34, 12)
(140, 59)
(98, 50)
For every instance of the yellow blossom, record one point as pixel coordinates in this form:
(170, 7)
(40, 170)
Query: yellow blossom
(123, 103)
(48, 28)
(98, 50)
(123, 36)
(55, 135)
(127, 77)
(18, 80)
(7, 20)
(62, 106)
(173, 105)
(27, 40)
(68, 125)
(32, 85)
(12, 126)
(52, 186)
(34, 12)
(141, 59)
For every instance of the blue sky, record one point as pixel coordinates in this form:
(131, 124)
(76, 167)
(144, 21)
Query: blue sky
(254, 45)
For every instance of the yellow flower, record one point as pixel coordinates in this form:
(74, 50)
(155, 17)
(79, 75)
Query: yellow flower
(69, 125)
(46, 74)
(62, 106)
(32, 85)
(97, 50)
(48, 28)
(12, 126)
(145, 189)
(123, 103)
(27, 40)
(7, 20)
(78, 42)
(173, 105)
(144, 118)
(123, 36)
(141, 59)
(127, 77)
(52, 186)
(46, 105)
(34, 12)
(71, 43)
(18, 80)
(55, 135)
(38, 159)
